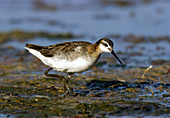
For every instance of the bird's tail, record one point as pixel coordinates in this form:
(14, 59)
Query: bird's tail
(32, 46)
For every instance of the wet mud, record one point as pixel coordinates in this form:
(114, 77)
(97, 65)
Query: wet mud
(140, 32)
(106, 90)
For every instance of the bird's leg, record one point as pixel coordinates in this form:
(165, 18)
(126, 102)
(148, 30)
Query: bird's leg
(51, 75)
(54, 75)
(69, 76)
(65, 82)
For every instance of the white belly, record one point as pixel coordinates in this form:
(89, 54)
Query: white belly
(78, 65)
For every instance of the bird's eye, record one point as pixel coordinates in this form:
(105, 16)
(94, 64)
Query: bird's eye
(105, 44)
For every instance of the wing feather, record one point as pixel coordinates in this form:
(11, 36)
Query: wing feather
(66, 50)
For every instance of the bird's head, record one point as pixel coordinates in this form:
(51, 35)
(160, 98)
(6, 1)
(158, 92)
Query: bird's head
(106, 45)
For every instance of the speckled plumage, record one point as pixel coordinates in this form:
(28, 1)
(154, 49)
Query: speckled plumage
(66, 50)
(71, 57)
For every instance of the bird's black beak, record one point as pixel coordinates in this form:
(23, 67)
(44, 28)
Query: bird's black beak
(116, 56)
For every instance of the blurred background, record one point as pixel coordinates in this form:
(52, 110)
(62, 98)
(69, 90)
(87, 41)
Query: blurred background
(140, 30)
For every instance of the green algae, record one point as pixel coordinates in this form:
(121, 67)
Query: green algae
(21, 35)
(114, 91)
(142, 39)
(40, 96)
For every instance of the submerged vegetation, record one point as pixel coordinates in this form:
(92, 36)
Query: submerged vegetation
(141, 87)
(107, 90)
(21, 35)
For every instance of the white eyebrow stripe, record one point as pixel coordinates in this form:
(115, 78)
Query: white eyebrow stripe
(107, 43)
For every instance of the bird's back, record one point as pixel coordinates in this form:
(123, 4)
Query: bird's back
(67, 50)
(68, 56)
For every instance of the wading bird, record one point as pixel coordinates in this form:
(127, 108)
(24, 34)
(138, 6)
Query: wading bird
(71, 57)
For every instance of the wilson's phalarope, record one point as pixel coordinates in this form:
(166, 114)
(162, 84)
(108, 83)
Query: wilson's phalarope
(71, 57)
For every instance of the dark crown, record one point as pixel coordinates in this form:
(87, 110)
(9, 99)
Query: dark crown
(108, 41)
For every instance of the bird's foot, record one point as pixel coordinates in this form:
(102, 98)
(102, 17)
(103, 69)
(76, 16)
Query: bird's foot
(69, 92)
(64, 94)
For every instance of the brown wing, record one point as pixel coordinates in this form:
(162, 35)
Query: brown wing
(35, 47)
(68, 48)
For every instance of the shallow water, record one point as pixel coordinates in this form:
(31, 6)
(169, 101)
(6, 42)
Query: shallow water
(140, 32)
(92, 20)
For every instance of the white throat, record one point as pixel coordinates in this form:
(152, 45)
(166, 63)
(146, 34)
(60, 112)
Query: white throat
(103, 48)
